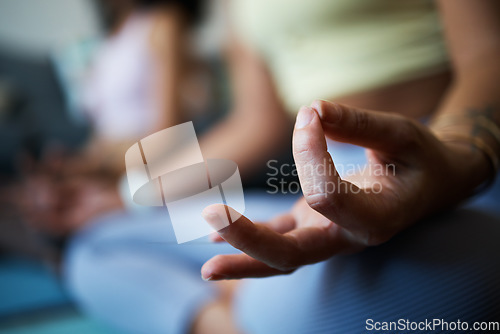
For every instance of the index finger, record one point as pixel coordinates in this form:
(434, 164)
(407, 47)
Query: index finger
(281, 251)
(256, 240)
(382, 131)
(281, 224)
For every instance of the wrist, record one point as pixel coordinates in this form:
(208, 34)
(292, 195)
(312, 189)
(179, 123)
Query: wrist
(473, 161)
(475, 138)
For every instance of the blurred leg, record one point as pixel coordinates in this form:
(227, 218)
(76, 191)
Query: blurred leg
(128, 270)
(444, 268)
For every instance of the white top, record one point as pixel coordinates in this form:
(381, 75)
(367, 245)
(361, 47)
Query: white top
(119, 91)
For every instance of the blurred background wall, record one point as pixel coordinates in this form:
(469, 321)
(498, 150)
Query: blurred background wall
(43, 26)
(34, 110)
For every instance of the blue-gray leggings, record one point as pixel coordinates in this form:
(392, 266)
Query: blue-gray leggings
(127, 270)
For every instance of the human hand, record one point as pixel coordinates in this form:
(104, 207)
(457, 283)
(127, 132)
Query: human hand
(420, 175)
(59, 197)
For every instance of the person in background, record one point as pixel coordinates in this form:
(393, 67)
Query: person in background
(133, 88)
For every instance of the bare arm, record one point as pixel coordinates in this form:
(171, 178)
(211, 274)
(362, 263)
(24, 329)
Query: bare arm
(257, 127)
(471, 111)
(167, 42)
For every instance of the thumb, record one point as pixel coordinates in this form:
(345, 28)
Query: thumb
(322, 186)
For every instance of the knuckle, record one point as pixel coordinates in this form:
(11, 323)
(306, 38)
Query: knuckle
(409, 134)
(321, 203)
(376, 237)
(317, 201)
(301, 147)
(301, 144)
(245, 242)
(288, 272)
(361, 121)
(288, 265)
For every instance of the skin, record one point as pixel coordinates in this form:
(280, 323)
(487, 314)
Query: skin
(256, 109)
(432, 173)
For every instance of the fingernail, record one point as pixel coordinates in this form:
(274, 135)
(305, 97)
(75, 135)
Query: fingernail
(304, 117)
(214, 277)
(331, 115)
(209, 278)
(207, 272)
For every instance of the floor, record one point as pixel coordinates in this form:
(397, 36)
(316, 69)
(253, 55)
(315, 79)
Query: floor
(33, 300)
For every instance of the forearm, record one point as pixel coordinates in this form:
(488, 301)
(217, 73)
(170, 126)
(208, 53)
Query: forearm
(248, 141)
(470, 116)
(258, 128)
(169, 56)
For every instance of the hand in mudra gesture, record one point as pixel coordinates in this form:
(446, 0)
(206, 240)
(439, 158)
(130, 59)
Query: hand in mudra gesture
(346, 215)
